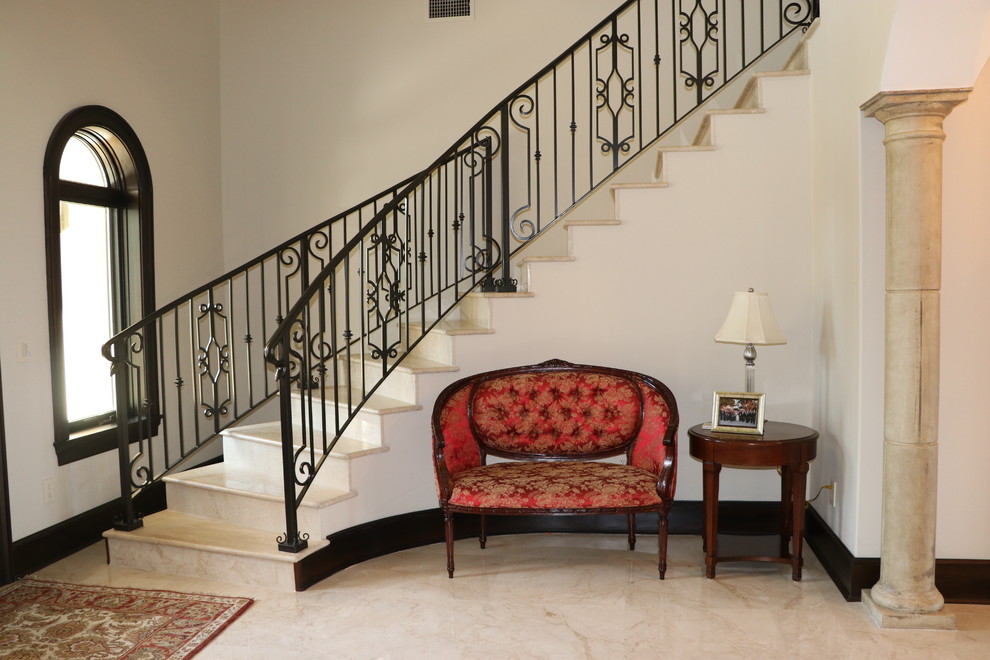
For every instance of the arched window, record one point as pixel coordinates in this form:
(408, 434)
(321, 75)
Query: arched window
(99, 243)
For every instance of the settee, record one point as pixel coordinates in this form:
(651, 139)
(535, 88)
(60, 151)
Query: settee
(550, 427)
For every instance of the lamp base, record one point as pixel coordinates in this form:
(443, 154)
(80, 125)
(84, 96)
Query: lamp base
(750, 355)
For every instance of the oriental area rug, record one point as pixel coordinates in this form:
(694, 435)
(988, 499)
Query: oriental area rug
(42, 620)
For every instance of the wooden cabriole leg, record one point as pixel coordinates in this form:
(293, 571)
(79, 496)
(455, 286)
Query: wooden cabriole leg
(483, 535)
(662, 543)
(632, 531)
(448, 525)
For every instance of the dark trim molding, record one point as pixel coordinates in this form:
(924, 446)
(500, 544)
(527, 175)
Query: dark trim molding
(381, 537)
(49, 545)
(850, 574)
(959, 580)
(40, 549)
(6, 571)
(131, 195)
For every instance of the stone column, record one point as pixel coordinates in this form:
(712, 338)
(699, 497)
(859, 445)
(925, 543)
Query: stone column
(905, 596)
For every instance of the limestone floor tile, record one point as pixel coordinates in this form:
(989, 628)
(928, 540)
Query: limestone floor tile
(556, 596)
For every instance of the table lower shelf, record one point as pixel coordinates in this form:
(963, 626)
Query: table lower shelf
(760, 547)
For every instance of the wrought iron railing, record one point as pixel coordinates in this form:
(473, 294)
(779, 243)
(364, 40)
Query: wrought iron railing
(354, 296)
(196, 366)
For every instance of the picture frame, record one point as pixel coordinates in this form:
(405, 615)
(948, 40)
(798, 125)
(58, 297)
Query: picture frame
(738, 412)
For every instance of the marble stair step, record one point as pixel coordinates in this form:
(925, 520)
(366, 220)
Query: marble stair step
(376, 403)
(455, 327)
(184, 544)
(258, 447)
(270, 433)
(248, 498)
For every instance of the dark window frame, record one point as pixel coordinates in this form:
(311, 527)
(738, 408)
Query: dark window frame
(130, 196)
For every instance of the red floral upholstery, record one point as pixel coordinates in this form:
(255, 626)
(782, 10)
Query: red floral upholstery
(555, 485)
(540, 414)
(460, 450)
(560, 414)
(649, 451)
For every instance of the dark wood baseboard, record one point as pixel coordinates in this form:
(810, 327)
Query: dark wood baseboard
(40, 549)
(850, 574)
(381, 537)
(959, 580)
(46, 547)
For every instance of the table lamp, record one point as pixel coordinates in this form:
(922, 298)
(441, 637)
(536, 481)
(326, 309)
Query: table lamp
(750, 322)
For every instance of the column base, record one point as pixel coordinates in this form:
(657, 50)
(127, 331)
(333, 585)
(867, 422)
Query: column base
(887, 618)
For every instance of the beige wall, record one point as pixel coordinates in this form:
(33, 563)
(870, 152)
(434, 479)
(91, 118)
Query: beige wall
(859, 50)
(964, 453)
(846, 58)
(297, 109)
(156, 64)
(326, 103)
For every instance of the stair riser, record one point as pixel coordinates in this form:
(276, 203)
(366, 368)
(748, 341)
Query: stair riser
(366, 425)
(250, 512)
(399, 385)
(202, 563)
(266, 457)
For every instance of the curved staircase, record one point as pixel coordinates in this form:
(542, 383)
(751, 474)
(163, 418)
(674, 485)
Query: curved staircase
(222, 518)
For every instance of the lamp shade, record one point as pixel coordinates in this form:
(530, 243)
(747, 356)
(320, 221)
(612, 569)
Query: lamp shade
(751, 321)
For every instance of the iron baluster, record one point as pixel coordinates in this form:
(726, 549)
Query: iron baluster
(448, 222)
(293, 540)
(129, 520)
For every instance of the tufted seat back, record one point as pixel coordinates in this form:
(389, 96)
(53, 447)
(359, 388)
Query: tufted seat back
(564, 414)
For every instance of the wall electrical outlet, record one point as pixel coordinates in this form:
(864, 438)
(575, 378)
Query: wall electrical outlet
(833, 495)
(48, 490)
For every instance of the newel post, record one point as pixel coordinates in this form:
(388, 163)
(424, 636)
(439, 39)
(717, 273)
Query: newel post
(292, 541)
(129, 521)
(905, 596)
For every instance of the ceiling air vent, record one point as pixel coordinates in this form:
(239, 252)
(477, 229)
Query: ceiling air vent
(437, 9)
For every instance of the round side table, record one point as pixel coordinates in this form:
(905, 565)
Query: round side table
(788, 446)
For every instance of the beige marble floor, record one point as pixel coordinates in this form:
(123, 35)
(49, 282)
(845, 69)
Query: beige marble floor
(553, 596)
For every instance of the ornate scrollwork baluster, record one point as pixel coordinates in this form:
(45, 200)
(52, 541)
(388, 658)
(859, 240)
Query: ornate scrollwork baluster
(699, 30)
(615, 91)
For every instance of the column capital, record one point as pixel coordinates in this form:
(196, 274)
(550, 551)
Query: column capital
(926, 102)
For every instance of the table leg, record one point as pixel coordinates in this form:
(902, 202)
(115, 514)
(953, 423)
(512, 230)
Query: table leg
(800, 479)
(711, 516)
(786, 519)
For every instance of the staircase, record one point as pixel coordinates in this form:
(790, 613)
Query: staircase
(222, 518)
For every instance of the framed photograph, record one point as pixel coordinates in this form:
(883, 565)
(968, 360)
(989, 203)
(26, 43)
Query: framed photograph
(738, 412)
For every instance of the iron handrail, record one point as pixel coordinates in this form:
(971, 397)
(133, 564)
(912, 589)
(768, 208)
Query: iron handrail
(417, 248)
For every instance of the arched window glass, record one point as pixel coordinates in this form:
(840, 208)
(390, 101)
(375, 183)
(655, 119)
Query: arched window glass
(81, 164)
(100, 267)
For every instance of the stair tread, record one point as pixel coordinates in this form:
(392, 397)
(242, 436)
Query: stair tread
(225, 478)
(271, 432)
(413, 364)
(548, 259)
(688, 148)
(645, 184)
(590, 223)
(782, 73)
(456, 327)
(173, 528)
(504, 294)
(736, 111)
(376, 403)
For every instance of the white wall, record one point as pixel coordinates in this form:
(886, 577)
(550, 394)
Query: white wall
(326, 103)
(156, 64)
(846, 58)
(859, 50)
(313, 105)
(650, 294)
(937, 45)
(964, 453)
